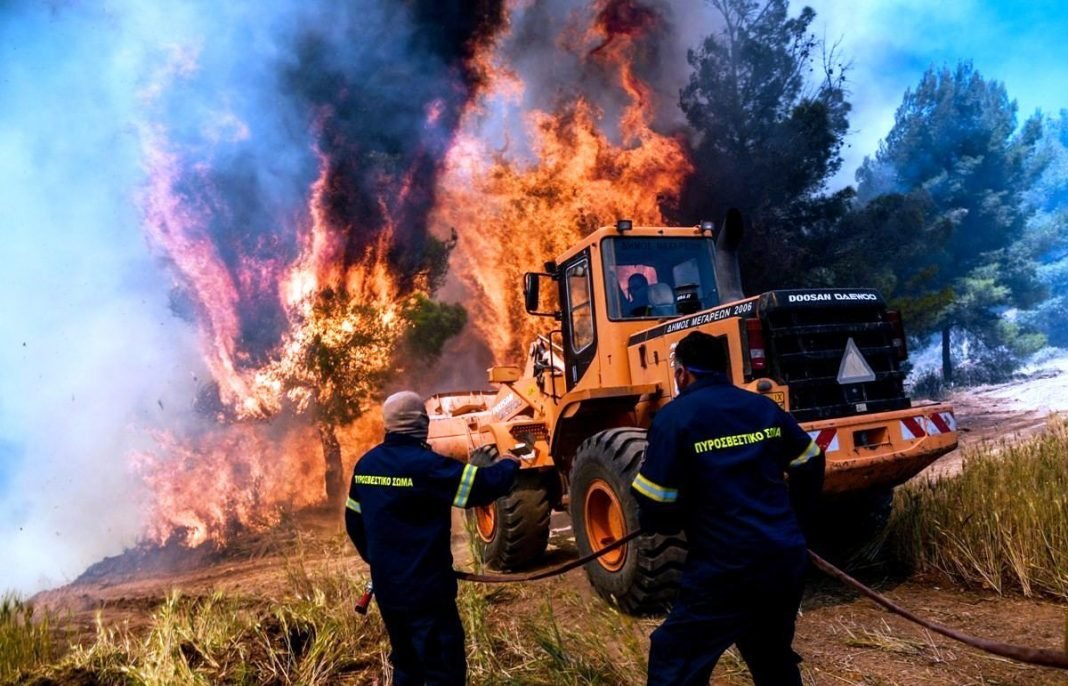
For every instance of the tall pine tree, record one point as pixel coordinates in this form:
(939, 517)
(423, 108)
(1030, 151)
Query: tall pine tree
(1047, 195)
(955, 144)
(767, 139)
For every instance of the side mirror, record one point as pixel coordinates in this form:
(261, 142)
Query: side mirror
(532, 293)
(728, 273)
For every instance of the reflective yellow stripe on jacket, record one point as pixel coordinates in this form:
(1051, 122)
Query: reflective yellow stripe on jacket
(464, 490)
(654, 491)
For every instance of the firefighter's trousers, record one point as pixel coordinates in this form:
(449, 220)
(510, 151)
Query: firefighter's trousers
(427, 646)
(755, 610)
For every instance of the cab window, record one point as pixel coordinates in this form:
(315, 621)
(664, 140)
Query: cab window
(644, 276)
(579, 307)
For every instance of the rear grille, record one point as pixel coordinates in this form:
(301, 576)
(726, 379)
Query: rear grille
(805, 344)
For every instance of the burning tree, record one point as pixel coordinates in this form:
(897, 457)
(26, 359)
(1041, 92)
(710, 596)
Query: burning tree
(312, 263)
(351, 353)
(336, 373)
(290, 202)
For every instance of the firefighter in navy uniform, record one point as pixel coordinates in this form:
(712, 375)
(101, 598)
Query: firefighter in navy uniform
(728, 467)
(398, 516)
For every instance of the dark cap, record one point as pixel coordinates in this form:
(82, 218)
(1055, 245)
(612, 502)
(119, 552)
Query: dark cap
(700, 353)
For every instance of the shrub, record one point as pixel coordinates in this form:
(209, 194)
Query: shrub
(929, 384)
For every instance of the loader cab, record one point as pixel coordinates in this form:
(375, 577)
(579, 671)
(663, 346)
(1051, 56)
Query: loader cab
(618, 283)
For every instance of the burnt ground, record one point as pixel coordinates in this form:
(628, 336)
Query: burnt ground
(843, 639)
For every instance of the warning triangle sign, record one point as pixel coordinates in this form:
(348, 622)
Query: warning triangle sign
(854, 368)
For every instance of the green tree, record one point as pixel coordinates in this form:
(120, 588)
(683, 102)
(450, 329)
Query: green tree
(1047, 195)
(956, 143)
(430, 325)
(767, 138)
(882, 245)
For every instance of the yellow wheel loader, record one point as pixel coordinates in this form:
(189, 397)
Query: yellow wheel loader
(589, 388)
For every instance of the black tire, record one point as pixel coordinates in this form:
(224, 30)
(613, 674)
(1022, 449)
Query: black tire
(520, 530)
(849, 527)
(644, 578)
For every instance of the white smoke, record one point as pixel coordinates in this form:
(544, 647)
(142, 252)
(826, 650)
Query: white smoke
(90, 355)
(93, 358)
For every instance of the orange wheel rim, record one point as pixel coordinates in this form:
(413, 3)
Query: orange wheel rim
(486, 522)
(605, 524)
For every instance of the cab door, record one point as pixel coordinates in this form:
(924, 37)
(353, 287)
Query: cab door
(580, 334)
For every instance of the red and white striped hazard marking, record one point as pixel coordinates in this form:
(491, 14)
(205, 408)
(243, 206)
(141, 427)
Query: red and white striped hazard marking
(941, 423)
(931, 425)
(913, 427)
(826, 439)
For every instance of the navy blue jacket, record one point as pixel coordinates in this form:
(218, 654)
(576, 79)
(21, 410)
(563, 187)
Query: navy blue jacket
(398, 516)
(715, 465)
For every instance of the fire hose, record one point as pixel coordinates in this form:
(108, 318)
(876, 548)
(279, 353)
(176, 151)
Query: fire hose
(1033, 656)
(1044, 657)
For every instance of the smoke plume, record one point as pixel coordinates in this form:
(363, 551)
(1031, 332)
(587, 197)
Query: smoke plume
(208, 126)
(179, 181)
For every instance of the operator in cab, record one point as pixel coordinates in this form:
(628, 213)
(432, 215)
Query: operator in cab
(728, 467)
(638, 292)
(398, 517)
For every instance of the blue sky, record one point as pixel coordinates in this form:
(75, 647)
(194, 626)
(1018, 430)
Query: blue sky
(892, 42)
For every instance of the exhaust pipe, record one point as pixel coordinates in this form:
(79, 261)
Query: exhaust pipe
(728, 274)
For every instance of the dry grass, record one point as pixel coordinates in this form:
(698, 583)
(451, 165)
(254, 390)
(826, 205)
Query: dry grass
(312, 636)
(881, 637)
(25, 640)
(543, 645)
(1001, 524)
(313, 639)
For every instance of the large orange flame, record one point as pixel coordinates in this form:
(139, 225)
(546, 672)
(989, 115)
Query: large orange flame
(206, 488)
(513, 215)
